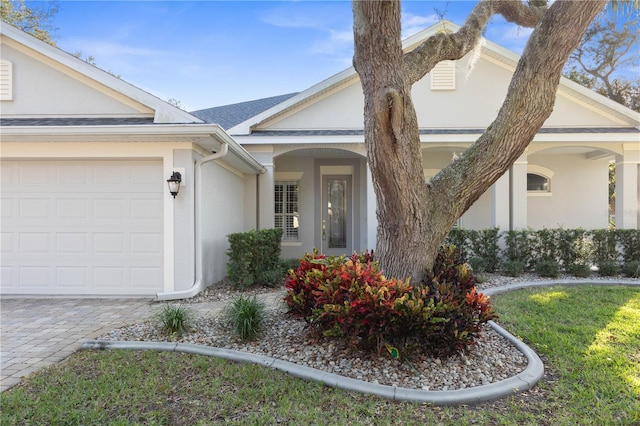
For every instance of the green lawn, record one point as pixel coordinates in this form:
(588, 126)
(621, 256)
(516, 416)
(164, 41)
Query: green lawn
(588, 336)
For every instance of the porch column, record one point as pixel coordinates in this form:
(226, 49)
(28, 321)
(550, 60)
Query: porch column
(500, 203)
(628, 187)
(372, 218)
(265, 205)
(518, 182)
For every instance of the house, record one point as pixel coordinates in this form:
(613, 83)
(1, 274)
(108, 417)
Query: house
(85, 157)
(318, 188)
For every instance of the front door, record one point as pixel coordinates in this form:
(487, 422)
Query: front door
(337, 223)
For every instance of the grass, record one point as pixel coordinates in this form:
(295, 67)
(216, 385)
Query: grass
(588, 336)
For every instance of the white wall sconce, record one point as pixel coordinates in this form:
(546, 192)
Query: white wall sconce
(174, 183)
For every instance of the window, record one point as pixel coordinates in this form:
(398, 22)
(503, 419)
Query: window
(6, 80)
(286, 209)
(537, 183)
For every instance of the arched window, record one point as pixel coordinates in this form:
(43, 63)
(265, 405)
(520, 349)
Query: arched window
(537, 183)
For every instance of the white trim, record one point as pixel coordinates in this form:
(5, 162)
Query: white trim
(540, 170)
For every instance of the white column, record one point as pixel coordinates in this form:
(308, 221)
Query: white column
(628, 187)
(500, 203)
(372, 219)
(265, 214)
(519, 193)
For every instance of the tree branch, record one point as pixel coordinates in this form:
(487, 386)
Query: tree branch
(529, 102)
(446, 46)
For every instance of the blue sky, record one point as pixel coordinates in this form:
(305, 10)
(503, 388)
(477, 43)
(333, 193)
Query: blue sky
(210, 53)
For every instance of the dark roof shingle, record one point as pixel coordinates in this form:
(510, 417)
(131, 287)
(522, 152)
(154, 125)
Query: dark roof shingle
(228, 116)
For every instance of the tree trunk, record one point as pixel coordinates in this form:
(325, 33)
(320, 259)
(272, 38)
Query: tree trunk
(414, 217)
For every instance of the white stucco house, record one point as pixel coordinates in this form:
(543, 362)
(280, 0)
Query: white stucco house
(86, 208)
(85, 157)
(319, 186)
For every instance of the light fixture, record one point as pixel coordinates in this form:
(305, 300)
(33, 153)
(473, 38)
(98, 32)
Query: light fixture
(174, 183)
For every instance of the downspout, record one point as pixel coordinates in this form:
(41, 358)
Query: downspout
(197, 286)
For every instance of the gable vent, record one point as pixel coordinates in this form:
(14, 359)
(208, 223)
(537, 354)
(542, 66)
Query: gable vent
(6, 80)
(443, 76)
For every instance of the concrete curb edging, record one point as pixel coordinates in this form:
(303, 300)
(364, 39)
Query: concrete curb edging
(523, 381)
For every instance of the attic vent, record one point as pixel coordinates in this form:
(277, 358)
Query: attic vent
(443, 76)
(6, 83)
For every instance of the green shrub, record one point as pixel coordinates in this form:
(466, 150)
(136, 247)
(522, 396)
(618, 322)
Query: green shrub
(608, 269)
(581, 270)
(604, 246)
(351, 299)
(631, 269)
(175, 319)
(288, 264)
(271, 278)
(478, 264)
(460, 238)
(518, 247)
(254, 258)
(513, 268)
(573, 246)
(246, 317)
(548, 268)
(629, 240)
(545, 245)
(484, 244)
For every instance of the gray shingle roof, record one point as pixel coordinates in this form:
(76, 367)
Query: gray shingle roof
(228, 116)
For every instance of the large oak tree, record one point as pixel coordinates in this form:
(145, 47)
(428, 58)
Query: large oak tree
(415, 216)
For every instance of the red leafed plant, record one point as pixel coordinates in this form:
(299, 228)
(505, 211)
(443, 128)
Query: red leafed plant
(349, 297)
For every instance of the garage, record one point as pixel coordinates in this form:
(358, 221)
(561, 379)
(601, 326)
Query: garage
(82, 227)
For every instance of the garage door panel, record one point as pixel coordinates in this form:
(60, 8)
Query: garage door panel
(75, 232)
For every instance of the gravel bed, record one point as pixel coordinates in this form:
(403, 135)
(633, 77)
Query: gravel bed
(491, 359)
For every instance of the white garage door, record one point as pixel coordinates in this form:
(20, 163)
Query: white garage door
(82, 227)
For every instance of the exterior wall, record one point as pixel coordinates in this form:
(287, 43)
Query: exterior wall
(479, 215)
(341, 110)
(484, 80)
(42, 87)
(184, 220)
(222, 214)
(579, 193)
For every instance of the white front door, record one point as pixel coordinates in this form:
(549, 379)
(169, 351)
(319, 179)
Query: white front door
(337, 222)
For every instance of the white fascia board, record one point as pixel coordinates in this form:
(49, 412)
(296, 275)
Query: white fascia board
(302, 140)
(206, 136)
(436, 138)
(164, 112)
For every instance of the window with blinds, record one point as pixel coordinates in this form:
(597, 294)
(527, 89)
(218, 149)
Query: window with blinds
(287, 210)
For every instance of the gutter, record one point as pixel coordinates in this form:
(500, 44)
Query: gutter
(197, 286)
